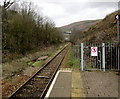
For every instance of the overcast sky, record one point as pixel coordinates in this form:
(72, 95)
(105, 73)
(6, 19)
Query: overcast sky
(64, 12)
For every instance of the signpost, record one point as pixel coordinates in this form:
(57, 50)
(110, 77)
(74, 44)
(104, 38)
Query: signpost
(94, 51)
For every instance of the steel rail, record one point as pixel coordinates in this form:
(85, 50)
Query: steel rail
(49, 83)
(47, 86)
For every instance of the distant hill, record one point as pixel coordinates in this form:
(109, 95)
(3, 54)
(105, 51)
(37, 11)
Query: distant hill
(81, 26)
(103, 31)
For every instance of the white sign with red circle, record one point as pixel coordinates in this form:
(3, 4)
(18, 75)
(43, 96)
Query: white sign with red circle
(94, 51)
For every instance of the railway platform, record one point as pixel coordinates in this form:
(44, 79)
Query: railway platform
(61, 85)
(93, 85)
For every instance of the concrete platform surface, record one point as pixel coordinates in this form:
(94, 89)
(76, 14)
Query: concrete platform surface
(100, 84)
(84, 85)
(61, 85)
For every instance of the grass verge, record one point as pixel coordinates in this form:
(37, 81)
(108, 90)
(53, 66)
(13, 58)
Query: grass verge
(17, 66)
(37, 63)
(73, 62)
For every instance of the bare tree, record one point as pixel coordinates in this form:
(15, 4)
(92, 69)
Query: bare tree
(7, 4)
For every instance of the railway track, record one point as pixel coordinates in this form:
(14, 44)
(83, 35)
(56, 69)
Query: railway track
(37, 86)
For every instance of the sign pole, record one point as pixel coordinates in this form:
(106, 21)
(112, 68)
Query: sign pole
(82, 52)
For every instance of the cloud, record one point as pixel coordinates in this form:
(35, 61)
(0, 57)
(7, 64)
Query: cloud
(51, 10)
(64, 12)
(85, 11)
(102, 4)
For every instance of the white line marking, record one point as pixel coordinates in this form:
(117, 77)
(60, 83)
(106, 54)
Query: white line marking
(53, 82)
(51, 87)
(65, 71)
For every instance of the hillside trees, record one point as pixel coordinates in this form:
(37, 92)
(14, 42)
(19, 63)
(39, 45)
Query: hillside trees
(76, 34)
(25, 30)
(103, 31)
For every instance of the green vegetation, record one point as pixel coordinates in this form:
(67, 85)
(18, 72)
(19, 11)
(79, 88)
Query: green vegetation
(37, 63)
(25, 30)
(17, 66)
(73, 62)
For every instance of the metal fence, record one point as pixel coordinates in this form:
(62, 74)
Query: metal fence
(107, 56)
(76, 50)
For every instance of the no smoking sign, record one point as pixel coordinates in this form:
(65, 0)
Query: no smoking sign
(94, 51)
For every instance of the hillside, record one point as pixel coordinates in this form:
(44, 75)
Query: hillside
(103, 31)
(81, 25)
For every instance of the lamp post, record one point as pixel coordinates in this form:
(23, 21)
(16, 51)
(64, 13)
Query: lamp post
(117, 17)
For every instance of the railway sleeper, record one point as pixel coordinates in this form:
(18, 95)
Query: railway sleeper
(29, 92)
(46, 77)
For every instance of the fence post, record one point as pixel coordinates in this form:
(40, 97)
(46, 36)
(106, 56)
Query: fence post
(82, 52)
(103, 56)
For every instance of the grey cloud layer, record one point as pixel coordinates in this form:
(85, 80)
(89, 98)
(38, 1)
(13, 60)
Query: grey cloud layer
(67, 11)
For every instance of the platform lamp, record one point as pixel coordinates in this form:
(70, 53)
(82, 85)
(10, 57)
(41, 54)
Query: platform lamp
(117, 17)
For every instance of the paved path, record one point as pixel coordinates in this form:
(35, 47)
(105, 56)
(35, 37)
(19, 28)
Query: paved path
(100, 84)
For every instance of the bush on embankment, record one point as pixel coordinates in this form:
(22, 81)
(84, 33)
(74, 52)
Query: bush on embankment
(25, 30)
